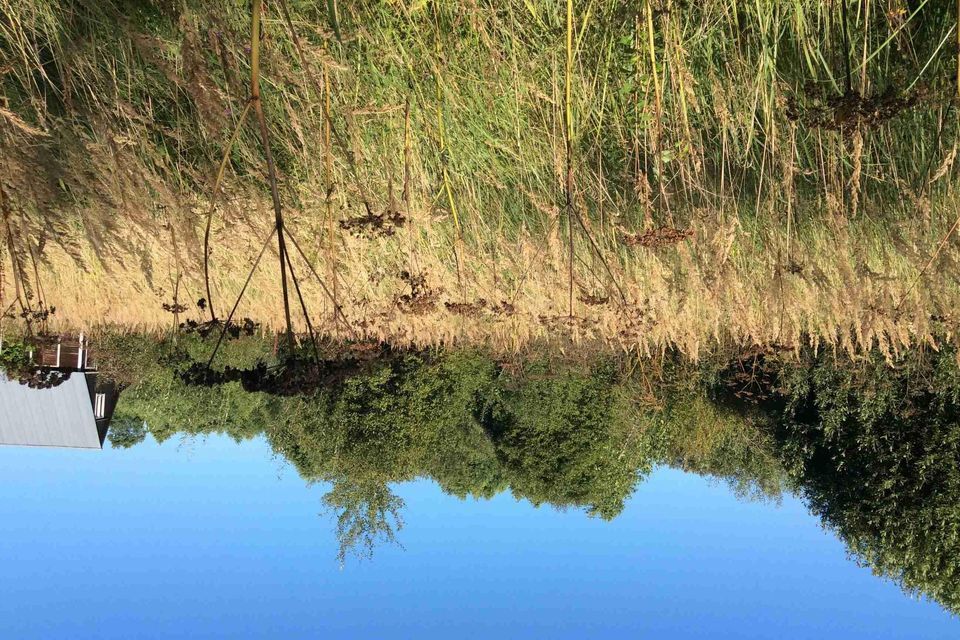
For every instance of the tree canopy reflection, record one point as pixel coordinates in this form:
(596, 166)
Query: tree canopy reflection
(873, 447)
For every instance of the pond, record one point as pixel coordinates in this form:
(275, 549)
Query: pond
(765, 491)
(207, 537)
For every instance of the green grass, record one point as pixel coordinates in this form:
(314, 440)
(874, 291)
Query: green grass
(701, 90)
(712, 116)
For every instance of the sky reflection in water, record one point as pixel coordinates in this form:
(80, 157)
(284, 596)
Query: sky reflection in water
(208, 538)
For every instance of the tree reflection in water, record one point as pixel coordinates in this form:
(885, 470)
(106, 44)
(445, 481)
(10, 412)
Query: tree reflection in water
(873, 447)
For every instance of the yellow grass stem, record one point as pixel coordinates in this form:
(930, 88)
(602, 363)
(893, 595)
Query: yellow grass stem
(893, 35)
(406, 156)
(444, 158)
(935, 255)
(653, 57)
(243, 290)
(338, 311)
(213, 204)
(568, 140)
(14, 258)
(325, 90)
(268, 154)
(328, 188)
(306, 313)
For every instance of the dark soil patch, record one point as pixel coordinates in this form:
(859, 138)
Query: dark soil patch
(246, 327)
(373, 225)
(794, 268)
(505, 308)
(174, 308)
(852, 110)
(592, 300)
(566, 323)
(480, 307)
(469, 309)
(655, 238)
(421, 299)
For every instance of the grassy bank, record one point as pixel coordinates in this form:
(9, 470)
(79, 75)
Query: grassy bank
(644, 175)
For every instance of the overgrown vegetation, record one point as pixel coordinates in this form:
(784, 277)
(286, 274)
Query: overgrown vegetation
(876, 454)
(765, 171)
(15, 359)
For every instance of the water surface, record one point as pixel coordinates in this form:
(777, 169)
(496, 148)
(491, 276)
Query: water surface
(210, 538)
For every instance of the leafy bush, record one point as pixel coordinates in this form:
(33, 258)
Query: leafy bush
(127, 432)
(15, 359)
(876, 453)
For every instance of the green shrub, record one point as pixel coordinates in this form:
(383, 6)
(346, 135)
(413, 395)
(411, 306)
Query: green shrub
(15, 359)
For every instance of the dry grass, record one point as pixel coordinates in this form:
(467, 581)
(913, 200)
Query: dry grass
(698, 168)
(721, 284)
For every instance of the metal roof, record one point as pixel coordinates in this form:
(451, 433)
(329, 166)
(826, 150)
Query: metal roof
(58, 417)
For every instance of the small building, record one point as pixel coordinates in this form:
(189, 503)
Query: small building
(75, 412)
(64, 353)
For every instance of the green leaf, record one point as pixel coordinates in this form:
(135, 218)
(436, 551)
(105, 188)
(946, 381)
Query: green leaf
(334, 18)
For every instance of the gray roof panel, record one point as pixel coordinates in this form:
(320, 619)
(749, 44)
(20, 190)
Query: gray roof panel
(58, 417)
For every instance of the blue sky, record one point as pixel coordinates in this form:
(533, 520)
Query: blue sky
(212, 539)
